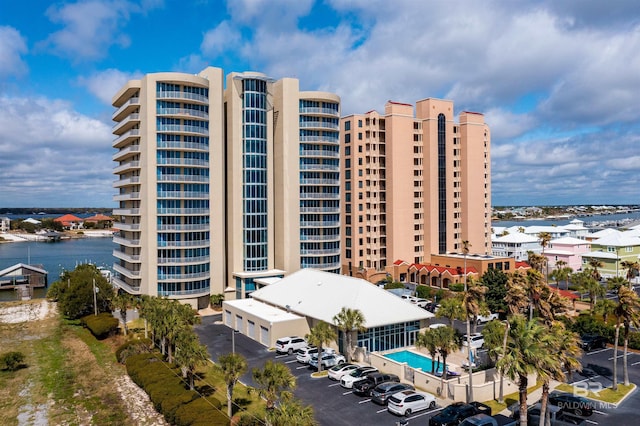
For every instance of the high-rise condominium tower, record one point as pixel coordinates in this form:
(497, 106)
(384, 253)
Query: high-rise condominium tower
(221, 186)
(415, 184)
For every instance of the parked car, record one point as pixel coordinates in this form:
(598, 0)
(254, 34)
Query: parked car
(570, 403)
(364, 387)
(383, 391)
(557, 415)
(593, 341)
(303, 355)
(406, 402)
(337, 371)
(486, 420)
(477, 340)
(432, 307)
(420, 302)
(437, 325)
(359, 373)
(455, 413)
(328, 360)
(289, 344)
(486, 318)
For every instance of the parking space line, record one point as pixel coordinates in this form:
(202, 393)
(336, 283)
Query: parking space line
(291, 362)
(599, 351)
(600, 412)
(381, 411)
(424, 413)
(584, 380)
(364, 401)
(281, 356)
(302, 367)
(636, 363)
(621, 356)
(334, 384)
(347, 393)
(590, 421)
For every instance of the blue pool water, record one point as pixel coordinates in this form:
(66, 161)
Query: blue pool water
(414, 360)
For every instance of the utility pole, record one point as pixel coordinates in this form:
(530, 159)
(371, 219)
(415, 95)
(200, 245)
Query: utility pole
(95, 297)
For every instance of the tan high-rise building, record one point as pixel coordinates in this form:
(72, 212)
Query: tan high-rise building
(415, 183)
(221, 187)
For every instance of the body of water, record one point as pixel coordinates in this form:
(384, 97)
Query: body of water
(56, 257)
(414, 360)
(609, 220)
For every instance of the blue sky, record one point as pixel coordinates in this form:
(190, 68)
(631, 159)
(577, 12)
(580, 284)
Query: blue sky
(558, 80)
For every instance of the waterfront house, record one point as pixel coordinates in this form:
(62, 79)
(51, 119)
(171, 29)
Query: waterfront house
(5, 224)
(23, 278)
(516, 245)
(612, 250)
(567, 249)
(69, 221)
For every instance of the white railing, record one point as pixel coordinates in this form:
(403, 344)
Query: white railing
(176, 94)
(126, 135)
(128, 119)
(183, 178)
(182, 111)
(321, 196)
(319, 153)
(173, 260)
(127, 104)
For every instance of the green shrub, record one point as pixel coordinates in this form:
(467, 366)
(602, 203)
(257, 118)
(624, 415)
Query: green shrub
(393, 285)
(201, 412)
(423, 291)
(171, 404)
(634, 340)
(457, 287)
(12, 361)
(101, 325)
(133, 347)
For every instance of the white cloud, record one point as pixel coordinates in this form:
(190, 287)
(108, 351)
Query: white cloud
(220, 39)
(12, 47)
(51, 155)
(105, 84)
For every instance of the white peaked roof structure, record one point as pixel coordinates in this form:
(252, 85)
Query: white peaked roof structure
(618, 239)
(321, 295)
(516, 238)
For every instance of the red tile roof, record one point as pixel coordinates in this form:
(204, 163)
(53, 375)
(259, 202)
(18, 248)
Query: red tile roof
(97, 218)
(67, 218)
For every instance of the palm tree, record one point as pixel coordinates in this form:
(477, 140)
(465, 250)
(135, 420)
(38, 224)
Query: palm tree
(544, 238)
(451, 308)
(349, 320)
(536, 289)
(604, 307)
(627, 313)
(595, 264)
(632, 268)
(427, 340)
(274, 382)
(495, 339)
(189, 355)
(614, 283)
(291, 412)
(447, 342)
(472, 300)
(536, 261)
(523, 355)
(232, 367)
(516, 297)
(322, 333)
(587, 283)
(122, 302)
(561, 350)
(561, 273)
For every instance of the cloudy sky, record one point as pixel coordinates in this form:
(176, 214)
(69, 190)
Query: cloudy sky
(558, 80)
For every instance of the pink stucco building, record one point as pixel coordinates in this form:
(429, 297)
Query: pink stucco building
(415, 183)
(567, 249)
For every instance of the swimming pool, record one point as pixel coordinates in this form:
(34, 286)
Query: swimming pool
(414, 360)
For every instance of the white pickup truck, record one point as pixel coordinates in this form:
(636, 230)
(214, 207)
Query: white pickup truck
(486, 318)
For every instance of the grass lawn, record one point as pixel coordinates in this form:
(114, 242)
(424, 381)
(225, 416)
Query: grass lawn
(510, 399)
(605, 395)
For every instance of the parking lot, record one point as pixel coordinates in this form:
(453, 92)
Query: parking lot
(334, 405)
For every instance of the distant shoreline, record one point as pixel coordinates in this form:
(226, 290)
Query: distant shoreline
(20, 237)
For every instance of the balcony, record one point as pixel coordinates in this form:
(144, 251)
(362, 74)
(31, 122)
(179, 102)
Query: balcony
(126, 212)
(131, 258)
(129, 121)
(125, 152)
(197, 243)
(130, 165)
(126, 272)
(184, 146)
(133, 180)
(183, 178)
(316, 167)
(319, 181)
(126, 242)
(325, 138)
(126, 108)
(321, 252)
(319, 125)
(182, 112)
(182, 277)
(126, 137)
(174, 94)
(319, 153)
(319, 196)
(320, 265)
(183, 260)
(127, 197)
(178, 128)
(127, 226)
(184, 211)
(119, 283)
(183, 194)
(319, 237)
(182, 162)
(193, 293)
(198, 227)
(319, 111)
(319, 224)
(319, 209)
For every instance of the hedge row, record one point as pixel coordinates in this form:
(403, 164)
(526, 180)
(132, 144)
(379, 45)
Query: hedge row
(101, 325)
(169, 394)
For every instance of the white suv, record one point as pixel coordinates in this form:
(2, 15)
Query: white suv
(359, 373)
(289, 344)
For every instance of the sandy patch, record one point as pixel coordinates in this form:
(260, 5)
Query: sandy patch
(26, 312)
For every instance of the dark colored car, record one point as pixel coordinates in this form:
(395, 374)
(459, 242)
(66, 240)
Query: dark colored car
(593, 341)
(455, 413)
(364, 387)
(383, 391)
(572, 403)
